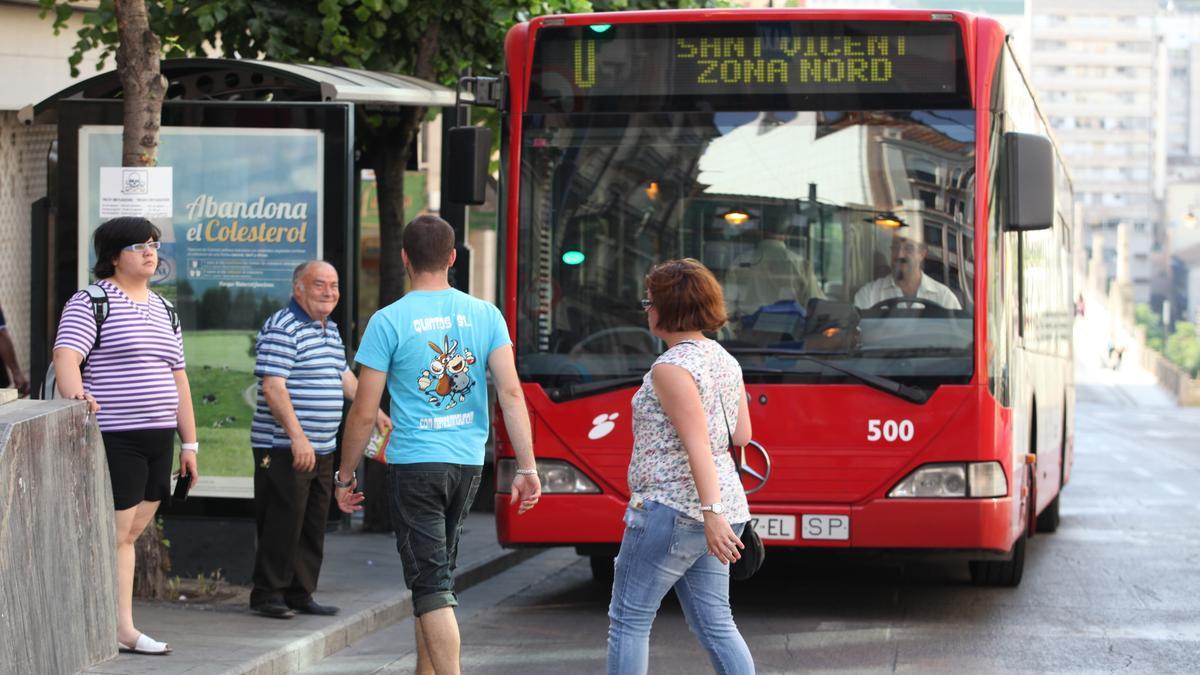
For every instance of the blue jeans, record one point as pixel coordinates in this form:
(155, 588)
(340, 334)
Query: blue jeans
(661, 549)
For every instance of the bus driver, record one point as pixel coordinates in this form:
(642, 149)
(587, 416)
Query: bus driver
(906, 279)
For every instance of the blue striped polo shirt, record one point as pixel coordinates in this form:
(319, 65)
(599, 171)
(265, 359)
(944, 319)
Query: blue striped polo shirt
(312, 359)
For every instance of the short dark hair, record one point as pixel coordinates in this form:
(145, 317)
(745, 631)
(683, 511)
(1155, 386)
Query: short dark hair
(116, 234)
(428, 241)
(686, 296)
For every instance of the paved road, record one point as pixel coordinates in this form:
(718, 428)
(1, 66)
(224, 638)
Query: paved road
(1115, 589)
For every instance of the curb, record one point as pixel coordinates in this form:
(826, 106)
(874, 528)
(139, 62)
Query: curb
(310, 649)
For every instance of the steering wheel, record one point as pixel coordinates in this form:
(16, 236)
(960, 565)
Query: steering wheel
(905, 302)
(641, 334)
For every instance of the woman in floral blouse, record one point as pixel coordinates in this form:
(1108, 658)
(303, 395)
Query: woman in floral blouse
(687, 507)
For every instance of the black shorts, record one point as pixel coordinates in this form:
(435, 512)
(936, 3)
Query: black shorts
(430, 501)
(139, 463)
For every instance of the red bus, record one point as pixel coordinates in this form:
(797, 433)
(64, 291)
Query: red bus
(808, 158)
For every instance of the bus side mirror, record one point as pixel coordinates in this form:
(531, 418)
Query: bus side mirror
(1030, 182)
(470, 151)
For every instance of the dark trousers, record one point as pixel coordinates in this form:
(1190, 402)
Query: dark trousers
(290, 508)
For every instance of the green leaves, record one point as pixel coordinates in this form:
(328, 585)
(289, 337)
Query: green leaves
(375, 34)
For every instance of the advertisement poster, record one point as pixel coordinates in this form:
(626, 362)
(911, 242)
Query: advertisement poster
(247, 208)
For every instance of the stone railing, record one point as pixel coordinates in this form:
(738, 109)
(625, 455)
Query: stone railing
(58, 600)
(1171, 377)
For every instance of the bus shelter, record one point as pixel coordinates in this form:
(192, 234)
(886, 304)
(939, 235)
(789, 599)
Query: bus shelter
(265, 174)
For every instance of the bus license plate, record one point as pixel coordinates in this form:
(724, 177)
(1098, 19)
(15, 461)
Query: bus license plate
(825, 527)
(775, 527)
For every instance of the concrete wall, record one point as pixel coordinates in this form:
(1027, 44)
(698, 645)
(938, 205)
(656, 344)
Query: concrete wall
(1171, 377)
(57, 540)
(33, 60)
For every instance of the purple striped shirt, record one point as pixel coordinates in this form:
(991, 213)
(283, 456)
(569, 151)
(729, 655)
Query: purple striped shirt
(131, 374)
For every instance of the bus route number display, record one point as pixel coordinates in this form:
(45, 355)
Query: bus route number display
(777, 59)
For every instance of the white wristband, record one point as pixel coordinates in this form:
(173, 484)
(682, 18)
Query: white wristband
(194, 447)
(526, 472)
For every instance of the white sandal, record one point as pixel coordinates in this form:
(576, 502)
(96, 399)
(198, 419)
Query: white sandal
(145, 645)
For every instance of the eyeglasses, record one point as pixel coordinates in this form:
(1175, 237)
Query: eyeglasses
(647, 303)
(138, 248)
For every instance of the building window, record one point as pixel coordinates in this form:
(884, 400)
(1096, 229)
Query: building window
(922, 169)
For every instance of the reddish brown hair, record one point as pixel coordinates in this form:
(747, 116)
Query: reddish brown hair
(686, 296)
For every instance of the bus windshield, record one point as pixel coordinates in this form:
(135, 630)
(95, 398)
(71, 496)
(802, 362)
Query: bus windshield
(843, 235)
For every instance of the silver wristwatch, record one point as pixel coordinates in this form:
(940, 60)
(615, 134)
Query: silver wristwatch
(337, 479)
(717, 508)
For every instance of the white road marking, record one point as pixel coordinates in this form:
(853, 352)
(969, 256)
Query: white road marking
(1178, 492)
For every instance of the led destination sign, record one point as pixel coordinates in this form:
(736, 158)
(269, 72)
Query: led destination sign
(573, 64)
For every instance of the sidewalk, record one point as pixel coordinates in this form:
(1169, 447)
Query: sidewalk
(361, 574)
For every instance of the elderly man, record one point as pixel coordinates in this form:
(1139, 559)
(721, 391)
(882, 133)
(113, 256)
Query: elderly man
(303, 377)
(906, 280)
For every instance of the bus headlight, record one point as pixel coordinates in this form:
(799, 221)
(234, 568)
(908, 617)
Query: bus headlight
(950, 480)
(986, 479)
(556, 476)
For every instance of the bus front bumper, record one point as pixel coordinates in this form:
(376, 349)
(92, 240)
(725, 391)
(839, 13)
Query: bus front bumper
(925, 525)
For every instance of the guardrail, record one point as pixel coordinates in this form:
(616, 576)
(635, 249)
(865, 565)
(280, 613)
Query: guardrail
(58, 598)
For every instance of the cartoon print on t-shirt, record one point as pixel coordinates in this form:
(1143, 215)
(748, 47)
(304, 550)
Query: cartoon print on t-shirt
(448, 379)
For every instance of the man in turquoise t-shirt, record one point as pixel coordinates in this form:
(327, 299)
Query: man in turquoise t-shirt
(432, 349)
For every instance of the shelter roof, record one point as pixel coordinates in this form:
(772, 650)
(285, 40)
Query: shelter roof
(247, 80)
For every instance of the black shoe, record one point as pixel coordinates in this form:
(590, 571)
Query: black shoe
(273, 609)
(312, 607)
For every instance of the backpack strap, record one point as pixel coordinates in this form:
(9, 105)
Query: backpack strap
(171, 313)
(99, 298)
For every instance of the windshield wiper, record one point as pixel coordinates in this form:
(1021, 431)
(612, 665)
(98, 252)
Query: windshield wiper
(574, 389)
(888, 386)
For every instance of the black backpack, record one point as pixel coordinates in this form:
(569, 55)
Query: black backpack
(99, 298)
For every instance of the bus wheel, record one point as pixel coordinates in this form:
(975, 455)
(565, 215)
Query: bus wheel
(1048, 520)
(1000, 572)
(602, 568)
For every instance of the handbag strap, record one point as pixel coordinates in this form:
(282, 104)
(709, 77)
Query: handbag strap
(725, 416)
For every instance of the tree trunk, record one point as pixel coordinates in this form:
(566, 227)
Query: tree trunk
(142, 81)
(151, 565)
(389, 181)
(144, 88)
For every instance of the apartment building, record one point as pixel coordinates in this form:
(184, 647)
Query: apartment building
(1100, 69)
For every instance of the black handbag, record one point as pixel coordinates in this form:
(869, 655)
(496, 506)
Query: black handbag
(753, 550)
(752, 555)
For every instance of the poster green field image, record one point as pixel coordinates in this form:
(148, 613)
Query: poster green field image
(246, 207)
(221, 371)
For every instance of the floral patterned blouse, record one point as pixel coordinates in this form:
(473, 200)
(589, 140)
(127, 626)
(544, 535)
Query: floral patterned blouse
(659, 468)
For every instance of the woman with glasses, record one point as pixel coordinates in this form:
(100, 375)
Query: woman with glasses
(130, 370)
(687, 507)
